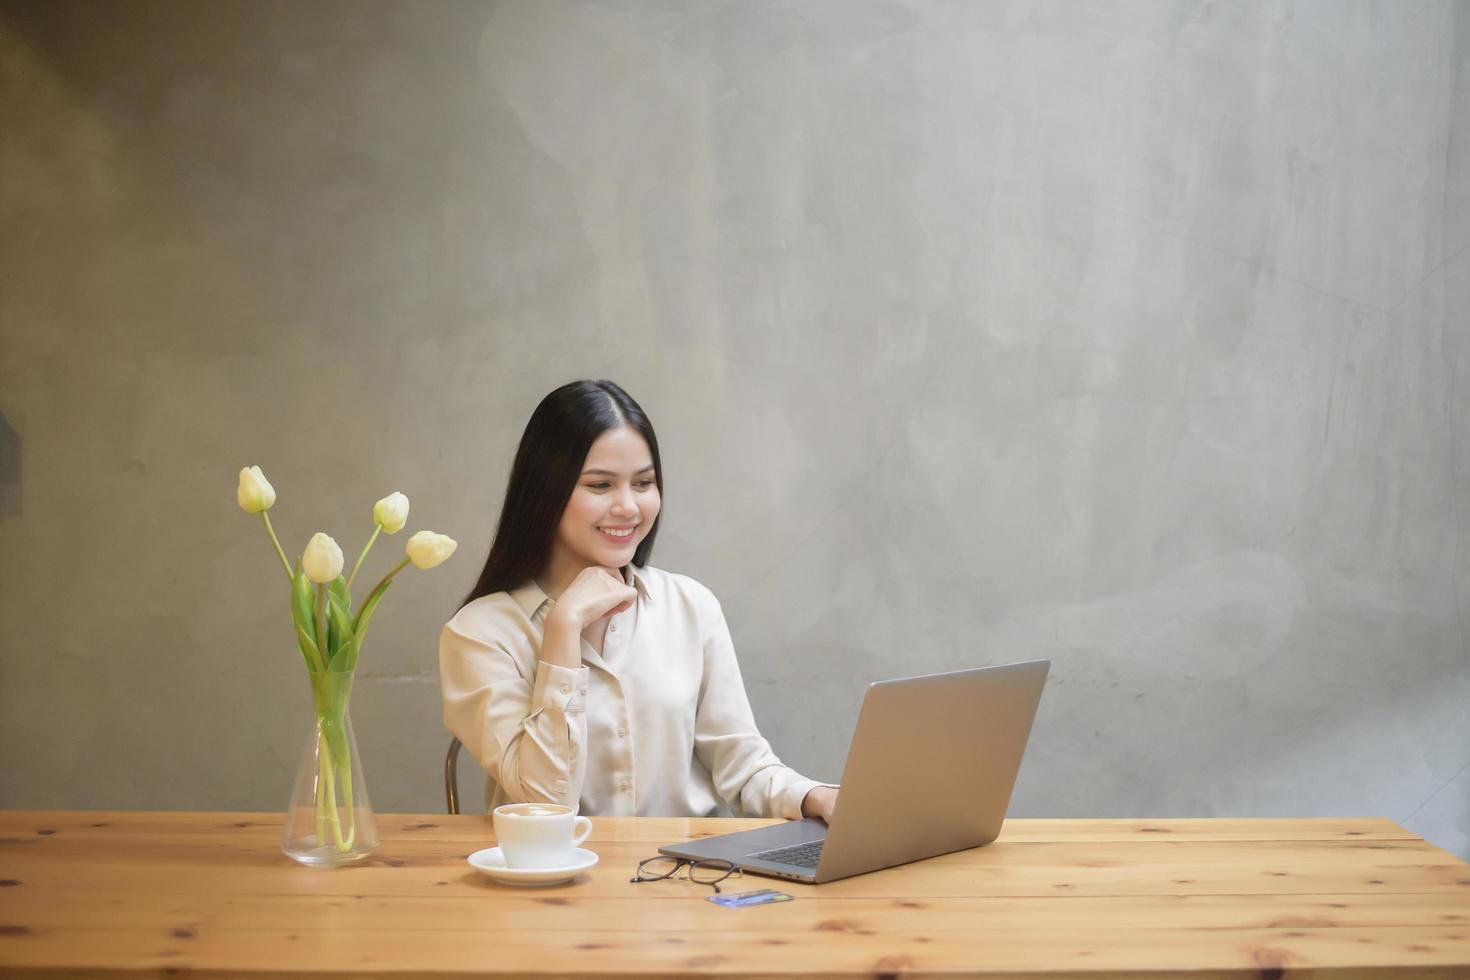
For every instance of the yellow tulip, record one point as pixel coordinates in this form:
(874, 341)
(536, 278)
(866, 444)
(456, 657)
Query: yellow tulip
(256, 493)
(322, 560)
(427, 549)
(391, 512)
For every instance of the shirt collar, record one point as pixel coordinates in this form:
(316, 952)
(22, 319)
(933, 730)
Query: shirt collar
(640, 581)
(531, 599)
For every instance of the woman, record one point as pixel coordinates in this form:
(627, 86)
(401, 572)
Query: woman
(574, 672)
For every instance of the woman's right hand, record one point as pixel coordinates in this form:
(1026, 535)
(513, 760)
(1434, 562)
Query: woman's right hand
(595, 592)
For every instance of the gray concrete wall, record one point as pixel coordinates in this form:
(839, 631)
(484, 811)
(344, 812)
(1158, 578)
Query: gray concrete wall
(1123, 334)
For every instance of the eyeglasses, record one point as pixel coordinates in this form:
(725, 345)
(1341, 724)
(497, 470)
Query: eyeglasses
(704, 872)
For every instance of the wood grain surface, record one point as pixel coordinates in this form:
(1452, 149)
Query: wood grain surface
(93, 893)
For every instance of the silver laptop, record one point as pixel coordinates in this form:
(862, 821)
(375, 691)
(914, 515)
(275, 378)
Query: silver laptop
(930, 770)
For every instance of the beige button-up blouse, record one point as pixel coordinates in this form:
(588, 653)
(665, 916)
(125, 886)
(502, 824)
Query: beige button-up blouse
(658, 724)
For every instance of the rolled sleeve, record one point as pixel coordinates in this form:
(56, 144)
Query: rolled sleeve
(524, 723)
(792, 795)
(747, 774)
(560, 688)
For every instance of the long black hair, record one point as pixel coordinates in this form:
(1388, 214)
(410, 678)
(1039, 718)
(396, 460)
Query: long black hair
(547, 466)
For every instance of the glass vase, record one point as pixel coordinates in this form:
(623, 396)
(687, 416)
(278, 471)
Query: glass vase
(329, 821)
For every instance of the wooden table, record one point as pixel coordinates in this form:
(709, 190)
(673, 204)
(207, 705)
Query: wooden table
(92, 892)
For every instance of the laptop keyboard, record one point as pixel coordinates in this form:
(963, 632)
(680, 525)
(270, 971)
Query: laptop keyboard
(798, 855)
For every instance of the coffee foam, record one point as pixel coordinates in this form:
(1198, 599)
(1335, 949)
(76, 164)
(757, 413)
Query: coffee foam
(536, 810)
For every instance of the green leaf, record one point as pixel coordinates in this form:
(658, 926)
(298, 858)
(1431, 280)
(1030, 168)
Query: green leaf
(340, 621)
(337, 594)
(309, 650)
(302, 602)
(319, 619)
(302, 619)
(364, 617)
(338, 588)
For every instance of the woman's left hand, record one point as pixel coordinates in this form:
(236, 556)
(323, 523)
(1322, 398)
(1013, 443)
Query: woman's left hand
(820, 801)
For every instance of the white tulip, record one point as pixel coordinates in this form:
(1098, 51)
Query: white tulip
(391, 512)
(427, 549)
(322, 560)
(256, 493)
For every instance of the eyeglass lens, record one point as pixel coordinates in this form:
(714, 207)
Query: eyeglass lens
(660, 867)
(701, 872)
(709, 872)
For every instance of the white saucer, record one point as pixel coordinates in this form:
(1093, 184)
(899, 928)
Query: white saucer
(491, 862)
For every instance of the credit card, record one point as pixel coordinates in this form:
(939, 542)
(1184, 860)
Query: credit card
(739, 900)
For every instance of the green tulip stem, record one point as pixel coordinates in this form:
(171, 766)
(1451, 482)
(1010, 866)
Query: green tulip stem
(323, 775)
(334, 763)
(275, 541)
(384, 583)
(333, 817)
(347, 802)
(365, 549)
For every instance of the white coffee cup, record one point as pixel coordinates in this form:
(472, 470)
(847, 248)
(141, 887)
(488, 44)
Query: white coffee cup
(539, 835)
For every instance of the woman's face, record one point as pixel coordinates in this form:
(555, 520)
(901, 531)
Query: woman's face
(613, 504)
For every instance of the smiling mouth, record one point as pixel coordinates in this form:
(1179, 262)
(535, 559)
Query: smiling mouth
(619, 534)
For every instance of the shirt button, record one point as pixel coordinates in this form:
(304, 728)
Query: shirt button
(613, 627)
(565, 689)
(622, 732)
(624, 786)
